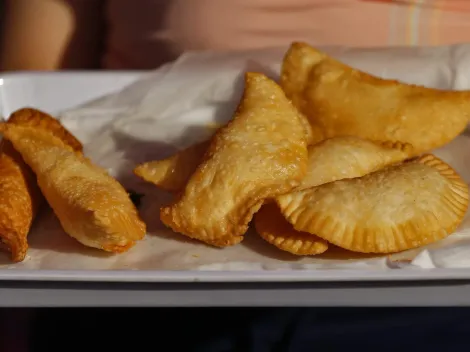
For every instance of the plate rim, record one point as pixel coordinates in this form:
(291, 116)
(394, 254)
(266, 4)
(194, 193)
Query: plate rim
(212, 276)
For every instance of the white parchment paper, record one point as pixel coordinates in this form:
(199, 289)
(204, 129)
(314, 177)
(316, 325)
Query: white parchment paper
(176, 106)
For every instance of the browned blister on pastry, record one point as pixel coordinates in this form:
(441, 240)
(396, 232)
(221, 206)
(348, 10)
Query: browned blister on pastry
(19, 194)
(91, 206)
(396, 208)
(259, 154)
(271, 225)
(172, 174)
(340, 100)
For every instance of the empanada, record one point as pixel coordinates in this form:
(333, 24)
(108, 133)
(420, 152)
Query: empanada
(39, 119)
(172, 174)
(19, 194)
(91, 206)
(339, 100)
(396, 208)
(347, 157)
(333, 159)
(274, 229)
(259, 154)
(329, 160)
(19, 202)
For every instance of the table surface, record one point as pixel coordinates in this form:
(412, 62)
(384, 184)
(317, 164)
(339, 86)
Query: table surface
(80, 294)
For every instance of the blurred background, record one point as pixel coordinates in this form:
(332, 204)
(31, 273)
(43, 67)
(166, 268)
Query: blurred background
(143, 34)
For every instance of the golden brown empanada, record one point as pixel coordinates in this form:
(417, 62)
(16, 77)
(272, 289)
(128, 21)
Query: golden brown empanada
(172, 174)
(393, 209)
(333, 159)
(347, 157)
(19, 193)
(274, 229)
(39, 119)
(259, 154)
(339, 100)
(91, 206)
(20, 199)
(330, 160)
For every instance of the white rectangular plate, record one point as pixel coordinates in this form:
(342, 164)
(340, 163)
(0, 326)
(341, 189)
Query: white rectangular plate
(54, 92)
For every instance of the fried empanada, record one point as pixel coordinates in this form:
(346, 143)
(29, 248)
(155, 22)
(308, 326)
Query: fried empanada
(347, 157)
(259, 154)
(330, 160)
(20, 199)
(333, 159)
(396, 208)
(39, 119)
(172, 174)
(339, 100)
(19, 193)
(271, 225)
(91, 206)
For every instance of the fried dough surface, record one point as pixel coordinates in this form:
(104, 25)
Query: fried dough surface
(347, 157)
(19, 194)
(329, 160)
(39, 119)
(172, 174)
(333, 159)
(20, 199)
(339, 100)
(259, 154)
(396, 208)
(91, 206)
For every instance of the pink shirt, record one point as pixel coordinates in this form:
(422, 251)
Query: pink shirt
(147, 33)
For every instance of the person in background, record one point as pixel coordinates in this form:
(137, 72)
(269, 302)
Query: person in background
(143, 34)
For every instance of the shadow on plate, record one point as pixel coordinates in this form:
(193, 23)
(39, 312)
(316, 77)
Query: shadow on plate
(149, 212)
(47, 234)
(255, 243)
(5, 258)
(338, 253)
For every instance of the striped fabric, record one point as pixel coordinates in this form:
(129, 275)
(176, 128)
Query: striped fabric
(428, 22)
(147, 33)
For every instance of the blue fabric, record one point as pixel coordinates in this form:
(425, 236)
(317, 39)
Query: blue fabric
(312, 329)
(255, 330)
